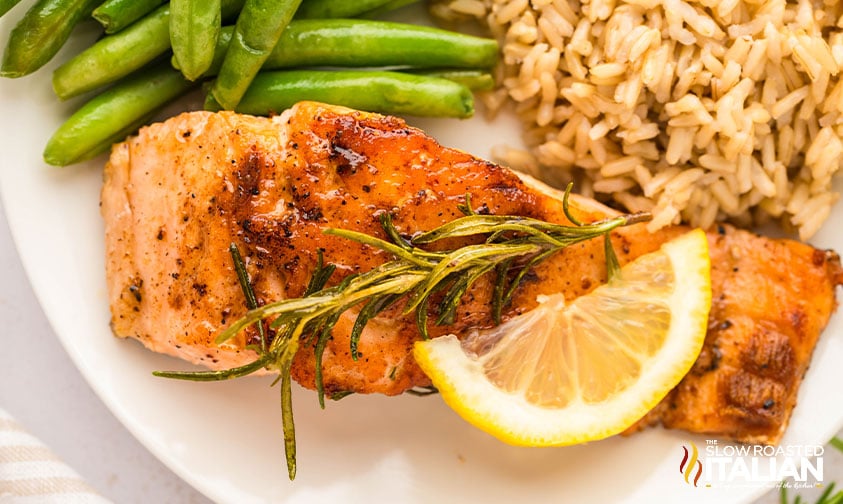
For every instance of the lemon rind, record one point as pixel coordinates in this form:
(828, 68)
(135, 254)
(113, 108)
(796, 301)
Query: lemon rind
(512, 419)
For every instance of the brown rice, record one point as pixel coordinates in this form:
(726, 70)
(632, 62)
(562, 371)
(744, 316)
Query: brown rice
(698, 111)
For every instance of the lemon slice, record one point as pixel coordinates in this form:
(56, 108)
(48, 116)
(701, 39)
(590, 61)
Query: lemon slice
(560, 375)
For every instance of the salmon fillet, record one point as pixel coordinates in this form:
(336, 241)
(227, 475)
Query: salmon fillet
(176, 195)
(771, 300)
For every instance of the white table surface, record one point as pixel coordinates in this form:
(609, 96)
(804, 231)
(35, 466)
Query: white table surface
(42, 389)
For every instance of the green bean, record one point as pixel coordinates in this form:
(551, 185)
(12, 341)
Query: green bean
(116, 56)
(258, 28)
(194, 30)
(115, 113)
(475, 80)
(41, 33)
(6, 5)
(375, 91)
(362, 43)
(325, 9)
(114, 15)
(383, 9)
(344, 42)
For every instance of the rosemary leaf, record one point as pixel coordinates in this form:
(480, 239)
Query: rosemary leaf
(461, 259)
(294, 305)
(375, 306)
(319, 351)
(320, 276)
(466, 208)
(246, 287)
(565, 206)
(336, 396)
(421, 319)
(376, 242)
(288, 425)
(392, 232)
(448, 305)
(823, 498)
(225, 374)
(500, 288)
(613, 267)
(507, 297)
(471, 225)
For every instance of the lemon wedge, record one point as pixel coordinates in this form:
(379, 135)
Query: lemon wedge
(565, 374)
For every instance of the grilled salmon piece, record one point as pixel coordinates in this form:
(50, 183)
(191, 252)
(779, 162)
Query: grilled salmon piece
(176, 195)
(771, 300)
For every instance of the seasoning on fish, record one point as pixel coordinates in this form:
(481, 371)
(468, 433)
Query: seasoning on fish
(180, 192)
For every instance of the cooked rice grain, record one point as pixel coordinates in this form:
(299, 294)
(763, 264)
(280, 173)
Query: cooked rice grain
(699, 111)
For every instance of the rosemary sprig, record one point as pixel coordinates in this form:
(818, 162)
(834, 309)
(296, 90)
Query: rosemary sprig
(512, 246)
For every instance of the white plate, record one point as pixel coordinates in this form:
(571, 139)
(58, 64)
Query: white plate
(225, 438)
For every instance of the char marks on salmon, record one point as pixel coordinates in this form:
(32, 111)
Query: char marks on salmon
(180, 192)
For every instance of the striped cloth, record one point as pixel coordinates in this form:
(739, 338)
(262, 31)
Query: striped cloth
(32, 474)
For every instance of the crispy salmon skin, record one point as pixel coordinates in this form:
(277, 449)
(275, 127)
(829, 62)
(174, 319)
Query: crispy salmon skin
(179, 193)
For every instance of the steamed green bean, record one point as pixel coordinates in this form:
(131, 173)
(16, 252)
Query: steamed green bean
(258, 28)
(362, 43)
(475, 80)
(345, 42)
(383, 9)
(6, 5)
(326, 9)
(39, 35)
(375, 91)
(114, 15)
(116, 56)
(194, 30)
(115, 113)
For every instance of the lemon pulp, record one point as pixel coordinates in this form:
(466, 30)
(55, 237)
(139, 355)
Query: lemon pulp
(564, 374)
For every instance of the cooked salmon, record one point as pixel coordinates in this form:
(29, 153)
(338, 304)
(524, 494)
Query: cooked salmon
(177, 194)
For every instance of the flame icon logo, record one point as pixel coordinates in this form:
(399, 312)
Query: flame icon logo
(686, 467)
